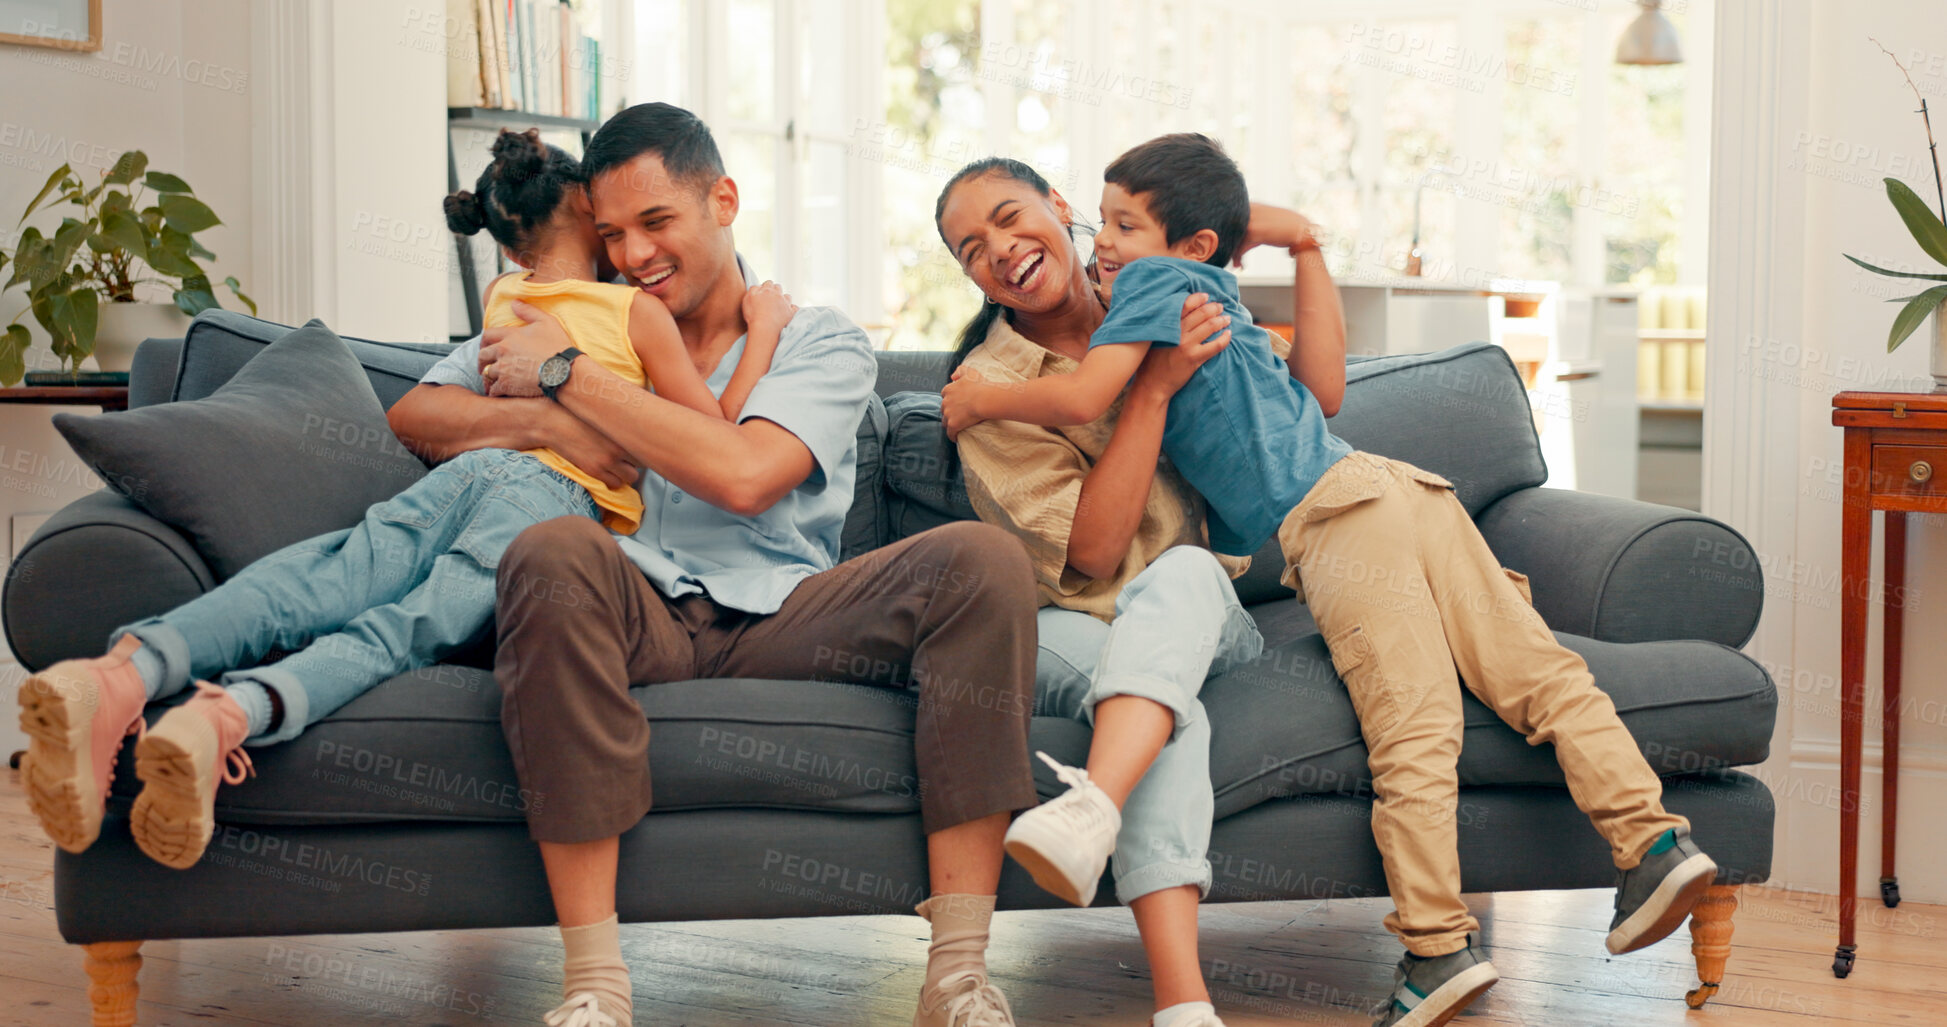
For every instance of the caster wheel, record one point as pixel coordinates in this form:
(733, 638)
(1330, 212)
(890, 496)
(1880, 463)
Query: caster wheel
(1889, 891)
(1842, 961)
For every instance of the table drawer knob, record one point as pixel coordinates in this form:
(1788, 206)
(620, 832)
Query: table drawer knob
(1921, 471)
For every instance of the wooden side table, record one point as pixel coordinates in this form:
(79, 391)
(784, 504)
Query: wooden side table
(107, 397)
(1895, 461)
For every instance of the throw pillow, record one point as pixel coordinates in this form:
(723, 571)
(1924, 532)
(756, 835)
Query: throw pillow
(294, 445)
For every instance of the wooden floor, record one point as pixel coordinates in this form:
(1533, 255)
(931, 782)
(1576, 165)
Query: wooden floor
(1268, 963)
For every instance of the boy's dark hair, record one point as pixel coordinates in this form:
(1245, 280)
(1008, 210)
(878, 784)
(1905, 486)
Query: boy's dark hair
(681, 139)
(517, 193)
(1189, 184)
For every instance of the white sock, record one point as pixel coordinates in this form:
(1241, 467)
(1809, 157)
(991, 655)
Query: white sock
(592, 961)
(148, 663)
(1181, 1013)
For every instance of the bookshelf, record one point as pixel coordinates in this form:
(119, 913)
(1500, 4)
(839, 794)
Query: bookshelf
(516, 64)
(491, 119)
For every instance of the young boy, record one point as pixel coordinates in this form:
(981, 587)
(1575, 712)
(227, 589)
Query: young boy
(1429, 598)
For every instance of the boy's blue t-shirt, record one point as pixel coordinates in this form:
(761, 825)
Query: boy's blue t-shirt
(1242, 431)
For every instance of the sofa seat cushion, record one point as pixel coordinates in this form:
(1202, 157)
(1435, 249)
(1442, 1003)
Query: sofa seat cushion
(428, 745)
(1284, 724)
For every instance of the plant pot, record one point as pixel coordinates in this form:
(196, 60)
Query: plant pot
(120, 327)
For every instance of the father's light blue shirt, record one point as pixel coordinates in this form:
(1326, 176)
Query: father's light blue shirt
(816, 390)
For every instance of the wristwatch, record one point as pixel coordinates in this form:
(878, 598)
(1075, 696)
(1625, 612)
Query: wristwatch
(555, 371)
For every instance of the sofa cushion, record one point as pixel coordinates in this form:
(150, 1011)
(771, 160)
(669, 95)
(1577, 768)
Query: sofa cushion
(865, 522)
(221, 341)
(1284, 724)
(428, 745)
(924, 488)
(295, 444)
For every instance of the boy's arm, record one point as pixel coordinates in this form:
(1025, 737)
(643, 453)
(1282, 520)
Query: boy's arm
(1052, 401)
(1317, 356)
(653, 333)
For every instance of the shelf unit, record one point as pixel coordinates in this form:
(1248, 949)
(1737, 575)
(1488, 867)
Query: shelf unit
(492, 119)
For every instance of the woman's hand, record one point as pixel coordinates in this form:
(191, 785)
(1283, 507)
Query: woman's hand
(510, 358)
(1205, 333)
(1276, 226)
(960, 399)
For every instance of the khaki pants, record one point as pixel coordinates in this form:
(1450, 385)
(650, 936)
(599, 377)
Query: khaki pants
(1412, 604)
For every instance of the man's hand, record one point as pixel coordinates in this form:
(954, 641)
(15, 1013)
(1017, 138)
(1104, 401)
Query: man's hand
(1276, 226)
(1205, 332)
(959, 400)
(592, 451)
(510, 358)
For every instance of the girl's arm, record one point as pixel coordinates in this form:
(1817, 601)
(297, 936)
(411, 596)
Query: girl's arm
(665, 362)
(766, 311)
(1052, 401)
(1117, 488)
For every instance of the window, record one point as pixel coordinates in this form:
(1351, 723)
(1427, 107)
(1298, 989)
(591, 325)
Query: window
(1500, 129)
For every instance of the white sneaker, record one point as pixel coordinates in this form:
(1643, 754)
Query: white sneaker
(1065, 842)
(1201, 1019)
(964, 1000)
(581, 1010)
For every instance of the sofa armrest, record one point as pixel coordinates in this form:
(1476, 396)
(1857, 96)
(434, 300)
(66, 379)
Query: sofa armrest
(98, 564)
(1623, 571)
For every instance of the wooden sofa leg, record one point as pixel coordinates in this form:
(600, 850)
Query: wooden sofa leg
(112, 966)
(1710, 941)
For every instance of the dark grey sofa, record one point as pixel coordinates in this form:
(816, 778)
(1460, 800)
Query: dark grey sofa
(401, 812)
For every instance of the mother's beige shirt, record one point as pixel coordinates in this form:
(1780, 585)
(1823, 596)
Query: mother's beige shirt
(1028, 479)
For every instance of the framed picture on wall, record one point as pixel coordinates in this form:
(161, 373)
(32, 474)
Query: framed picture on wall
(61, 24)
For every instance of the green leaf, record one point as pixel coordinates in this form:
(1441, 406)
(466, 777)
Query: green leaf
(195, 301)
(128, 167)
(1927, 230)
(237, 288)
(170, 254)
(52, 181)
(85, 304)
(164, 182)
(30, 244)
(1916, 310)
(13, 354)
(121, 228)
(187, 213)
(1893, 274)
(199, 251)
(115, 201)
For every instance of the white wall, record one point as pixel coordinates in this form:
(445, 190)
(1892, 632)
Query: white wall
(1793, 323)
(171, 79)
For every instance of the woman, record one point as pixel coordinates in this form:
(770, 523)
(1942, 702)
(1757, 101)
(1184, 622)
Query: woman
(1136, 612)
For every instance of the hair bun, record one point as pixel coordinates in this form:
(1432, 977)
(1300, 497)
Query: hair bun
(464, 213)
(519, 155)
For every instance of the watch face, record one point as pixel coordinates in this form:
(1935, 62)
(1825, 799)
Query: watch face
(554, 371)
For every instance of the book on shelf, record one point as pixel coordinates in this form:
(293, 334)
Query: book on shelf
(529, 55)
(78, 379)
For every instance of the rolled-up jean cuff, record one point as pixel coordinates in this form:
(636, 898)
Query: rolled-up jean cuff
(297, 702)
(169, 644)
(1155, 877)
(1162, 691)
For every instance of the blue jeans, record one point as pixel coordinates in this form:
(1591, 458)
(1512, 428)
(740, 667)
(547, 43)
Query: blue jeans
(409, 584)
(1178, 623)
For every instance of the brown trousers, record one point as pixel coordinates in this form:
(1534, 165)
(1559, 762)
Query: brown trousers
(948, 611)
(1412, 604)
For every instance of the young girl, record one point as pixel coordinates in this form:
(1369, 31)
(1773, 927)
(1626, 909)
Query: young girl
(405, 587)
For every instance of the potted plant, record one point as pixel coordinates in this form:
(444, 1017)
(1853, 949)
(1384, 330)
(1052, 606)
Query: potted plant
(135, 232)
(1931, 233)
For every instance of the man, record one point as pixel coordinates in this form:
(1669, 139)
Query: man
(733, 572)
